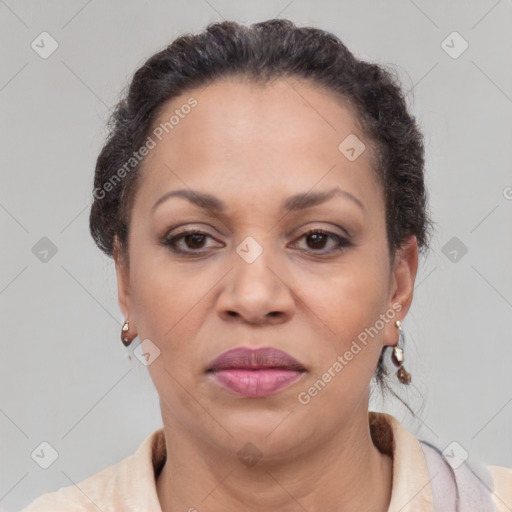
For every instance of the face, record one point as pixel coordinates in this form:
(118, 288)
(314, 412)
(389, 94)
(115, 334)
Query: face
(310, 278)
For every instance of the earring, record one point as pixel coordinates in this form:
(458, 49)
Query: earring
(398, 358)
(124, 334)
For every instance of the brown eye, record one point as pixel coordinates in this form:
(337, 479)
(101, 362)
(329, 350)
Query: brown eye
(187, 242)
(194, 240)
(317, 239)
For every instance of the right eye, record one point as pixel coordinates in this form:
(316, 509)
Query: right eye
(187, 242)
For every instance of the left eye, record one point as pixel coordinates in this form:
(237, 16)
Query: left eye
(194, 241)
(320, 237)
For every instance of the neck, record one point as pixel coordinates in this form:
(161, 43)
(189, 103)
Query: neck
(347, 470)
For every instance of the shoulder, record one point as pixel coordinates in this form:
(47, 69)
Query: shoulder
(81, 497)
(126, 485)
(502, 487)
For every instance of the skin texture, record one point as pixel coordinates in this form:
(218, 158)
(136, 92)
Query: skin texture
(253, 147)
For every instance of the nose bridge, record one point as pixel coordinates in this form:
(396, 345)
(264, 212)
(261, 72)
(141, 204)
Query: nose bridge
(254, 261)
(255, 288)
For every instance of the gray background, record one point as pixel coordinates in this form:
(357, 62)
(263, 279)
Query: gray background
(65, 377)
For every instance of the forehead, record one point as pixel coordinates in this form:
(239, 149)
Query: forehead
(241, 136)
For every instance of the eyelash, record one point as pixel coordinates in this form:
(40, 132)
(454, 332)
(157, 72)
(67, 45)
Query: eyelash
(171, 242)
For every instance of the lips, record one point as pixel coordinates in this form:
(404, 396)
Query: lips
(255, 373)
(264, 358)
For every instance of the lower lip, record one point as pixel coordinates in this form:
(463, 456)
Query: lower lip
(256, 383)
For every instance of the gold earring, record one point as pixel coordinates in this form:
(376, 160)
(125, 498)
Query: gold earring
(398, 358)
(124, 337)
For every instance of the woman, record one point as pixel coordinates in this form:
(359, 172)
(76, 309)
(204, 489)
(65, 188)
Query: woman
(262, 195)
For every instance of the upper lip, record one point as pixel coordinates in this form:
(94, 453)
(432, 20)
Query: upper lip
(254, 359)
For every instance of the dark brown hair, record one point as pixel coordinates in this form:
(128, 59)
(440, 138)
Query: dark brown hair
(263, 52)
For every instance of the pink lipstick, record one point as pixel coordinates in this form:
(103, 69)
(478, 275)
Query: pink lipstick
(255, 373)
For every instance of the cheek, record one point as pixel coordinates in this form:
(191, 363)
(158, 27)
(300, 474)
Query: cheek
(169, 302)
(347, 352)
(160, 290)
(346, 297)
(343, 310)
(168, 312)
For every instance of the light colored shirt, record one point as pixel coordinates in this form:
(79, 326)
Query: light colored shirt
(130, 484)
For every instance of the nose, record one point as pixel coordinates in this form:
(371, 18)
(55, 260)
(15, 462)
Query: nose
(256, 291)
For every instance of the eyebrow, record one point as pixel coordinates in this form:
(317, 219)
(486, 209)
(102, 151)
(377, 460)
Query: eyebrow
(293, 203)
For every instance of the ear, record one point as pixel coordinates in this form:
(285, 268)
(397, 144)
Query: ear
(123, 279)
(402, 284)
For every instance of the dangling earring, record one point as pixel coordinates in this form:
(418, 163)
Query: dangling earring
(398, 358)
(124, 334)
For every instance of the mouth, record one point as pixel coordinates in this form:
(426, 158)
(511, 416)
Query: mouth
(255, 373)
(265, 358)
